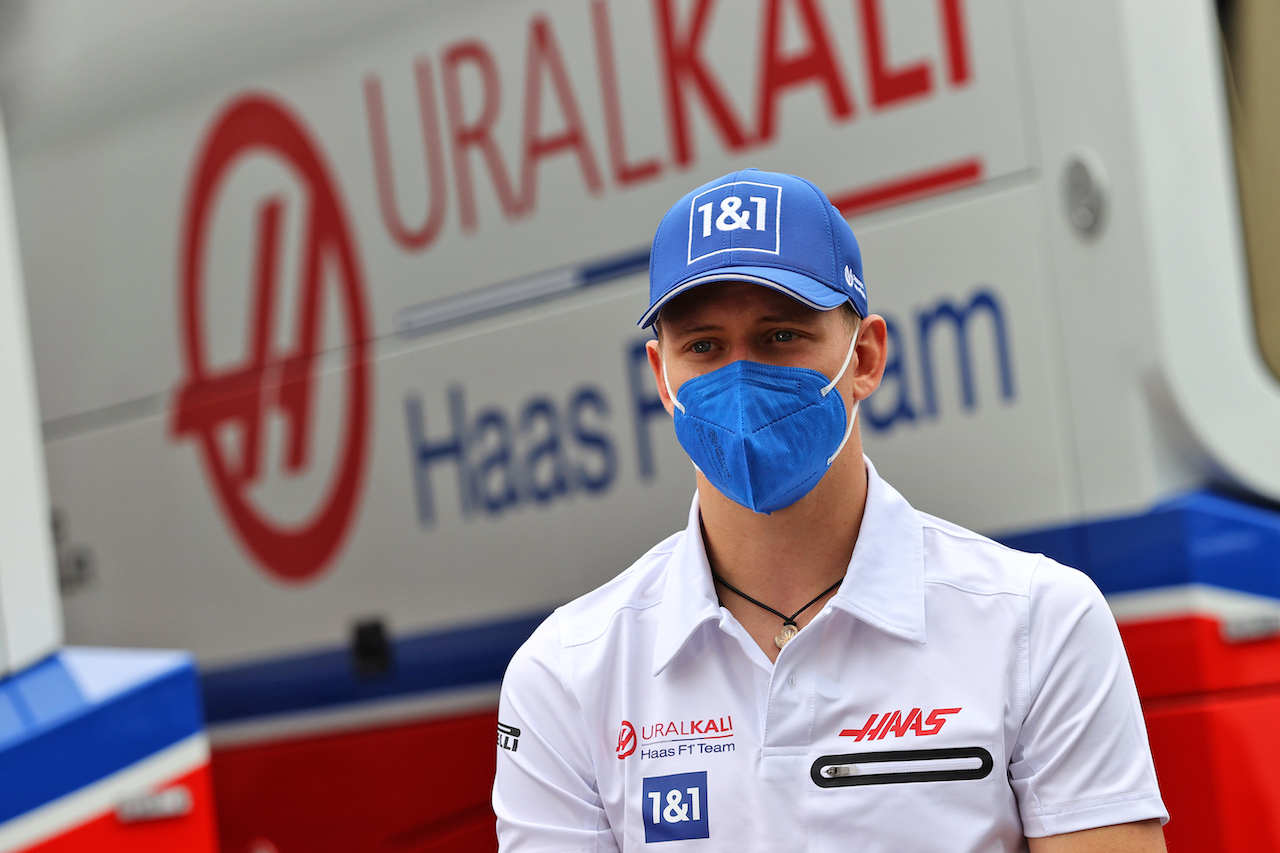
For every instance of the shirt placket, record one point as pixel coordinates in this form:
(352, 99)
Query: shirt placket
(787, 734)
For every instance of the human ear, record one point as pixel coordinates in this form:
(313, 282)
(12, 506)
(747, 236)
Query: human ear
(872, 353)
(653, 350)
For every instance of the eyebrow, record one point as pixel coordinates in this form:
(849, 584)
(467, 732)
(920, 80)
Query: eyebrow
(695, 329)
(796, 317)
(790, 317)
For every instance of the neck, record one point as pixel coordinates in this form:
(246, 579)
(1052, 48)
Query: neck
(786, 558)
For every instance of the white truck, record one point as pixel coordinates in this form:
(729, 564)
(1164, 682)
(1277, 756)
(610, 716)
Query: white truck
(333, 309)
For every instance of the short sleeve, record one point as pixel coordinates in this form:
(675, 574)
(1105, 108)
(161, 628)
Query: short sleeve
(1081, 759)
(545, 794)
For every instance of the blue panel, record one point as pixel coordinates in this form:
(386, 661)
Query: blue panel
(1200, 537)
(423, 663)
(72, 741)
(47, 693)
(12, 722)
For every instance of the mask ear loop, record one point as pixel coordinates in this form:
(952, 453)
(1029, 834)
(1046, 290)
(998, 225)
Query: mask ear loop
(671, 394)
(853, 411)
(675, 402)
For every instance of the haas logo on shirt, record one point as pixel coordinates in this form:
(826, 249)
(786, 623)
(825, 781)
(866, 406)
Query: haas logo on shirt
(899, 723)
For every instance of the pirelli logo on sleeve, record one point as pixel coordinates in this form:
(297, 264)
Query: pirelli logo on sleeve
(508, 737)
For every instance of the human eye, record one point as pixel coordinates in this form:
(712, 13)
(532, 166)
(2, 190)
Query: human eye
(782, 336)
(700, 347)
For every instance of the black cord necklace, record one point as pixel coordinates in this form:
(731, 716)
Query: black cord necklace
(789, 627)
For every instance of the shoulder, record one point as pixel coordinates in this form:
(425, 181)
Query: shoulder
(958, 557)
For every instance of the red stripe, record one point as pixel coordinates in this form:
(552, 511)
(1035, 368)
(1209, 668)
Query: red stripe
(910, 187)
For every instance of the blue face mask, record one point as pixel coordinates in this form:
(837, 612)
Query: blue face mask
(762, 434)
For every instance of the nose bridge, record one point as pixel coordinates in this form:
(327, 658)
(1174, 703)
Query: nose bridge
(737, 348)
(743, 348)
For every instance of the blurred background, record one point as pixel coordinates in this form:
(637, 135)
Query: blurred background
(318, 349)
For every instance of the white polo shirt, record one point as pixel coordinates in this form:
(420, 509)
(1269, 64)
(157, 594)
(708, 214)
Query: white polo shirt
(953, 695)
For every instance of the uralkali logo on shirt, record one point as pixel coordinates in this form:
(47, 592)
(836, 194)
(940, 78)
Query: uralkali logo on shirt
(667, 739)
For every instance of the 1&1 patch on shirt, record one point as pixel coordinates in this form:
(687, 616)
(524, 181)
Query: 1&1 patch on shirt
(674, 808)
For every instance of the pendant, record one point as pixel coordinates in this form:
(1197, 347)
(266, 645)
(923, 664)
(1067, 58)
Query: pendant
(785, 635)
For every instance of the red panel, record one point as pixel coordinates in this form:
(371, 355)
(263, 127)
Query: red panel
(1176, 657)
(191, 834)
(1217, 759)
(420, 788)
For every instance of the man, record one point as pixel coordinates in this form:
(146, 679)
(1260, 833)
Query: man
(812, 664)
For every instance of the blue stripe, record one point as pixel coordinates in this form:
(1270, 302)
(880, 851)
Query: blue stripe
(422, 663)
(515, 294)
(615, 267)
(57, 737)
(1199, 537)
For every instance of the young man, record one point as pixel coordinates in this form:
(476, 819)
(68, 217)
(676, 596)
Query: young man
(812, 664)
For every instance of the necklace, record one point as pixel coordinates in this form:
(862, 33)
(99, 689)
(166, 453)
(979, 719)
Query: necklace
(789, 627)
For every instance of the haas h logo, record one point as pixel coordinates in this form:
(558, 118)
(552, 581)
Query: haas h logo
(626, 740)
(266, 403)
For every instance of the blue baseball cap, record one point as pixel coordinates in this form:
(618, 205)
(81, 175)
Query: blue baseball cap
(771, 229)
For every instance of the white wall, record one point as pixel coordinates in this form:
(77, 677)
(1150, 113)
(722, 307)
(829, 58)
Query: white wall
(30, 621)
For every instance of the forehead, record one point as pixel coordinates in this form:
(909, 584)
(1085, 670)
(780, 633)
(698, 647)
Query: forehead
(736, 301)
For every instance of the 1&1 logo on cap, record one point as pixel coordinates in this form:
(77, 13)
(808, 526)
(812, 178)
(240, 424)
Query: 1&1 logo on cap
(738, 216)
(674, 808)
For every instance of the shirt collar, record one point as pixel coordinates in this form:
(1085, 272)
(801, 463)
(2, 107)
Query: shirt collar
(688, 597)
(884, 586)
(885, 583)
